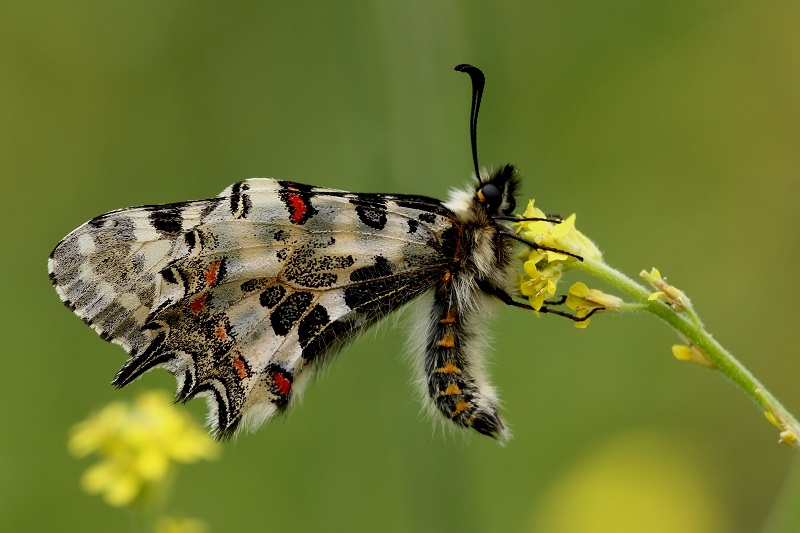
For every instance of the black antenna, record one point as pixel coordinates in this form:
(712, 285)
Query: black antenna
(478, 81)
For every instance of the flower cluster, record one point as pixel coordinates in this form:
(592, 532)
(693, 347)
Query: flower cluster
(560, 241)
(544, 266)
(584, 301)
(139, 444)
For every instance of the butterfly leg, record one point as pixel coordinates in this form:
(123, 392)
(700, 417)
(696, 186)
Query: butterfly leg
(456, 382)
(509, 300)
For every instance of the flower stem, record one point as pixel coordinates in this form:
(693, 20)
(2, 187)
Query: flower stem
(688, 324)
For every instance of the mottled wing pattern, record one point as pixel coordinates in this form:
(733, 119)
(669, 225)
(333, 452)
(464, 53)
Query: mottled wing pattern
(108, 270)
(239, 294)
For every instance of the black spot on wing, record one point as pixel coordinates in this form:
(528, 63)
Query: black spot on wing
(272, 296)
(311, 267)
(315, 280)
(330, 338)
(190, 238)
(168, 274)
(282, 236)
(380, 269)
(371, 210)
(167, 219)
(118, 228)
(428, 218)
(289, 311)
(240, 202)
(310, 326)
(422, 203)
(376, 291)
(252, 285)
(381, 296)
(373, 218)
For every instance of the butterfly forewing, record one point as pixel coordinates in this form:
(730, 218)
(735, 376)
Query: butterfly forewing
(237, 295)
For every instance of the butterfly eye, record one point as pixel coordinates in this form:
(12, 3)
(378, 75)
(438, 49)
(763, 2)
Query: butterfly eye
(490, 196)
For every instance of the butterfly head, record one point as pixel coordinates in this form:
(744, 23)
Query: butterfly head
(495, 191)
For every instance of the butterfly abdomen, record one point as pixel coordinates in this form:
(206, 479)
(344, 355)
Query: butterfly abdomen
(455, 378)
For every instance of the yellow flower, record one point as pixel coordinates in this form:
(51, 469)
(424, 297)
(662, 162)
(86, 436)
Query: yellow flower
(694, 354)
(543, 268)
(787, 436)
(559, 236)
(664, 291)
(139, 446)
(180, 525)
(788, 430)
(540, 283)
(584, 300)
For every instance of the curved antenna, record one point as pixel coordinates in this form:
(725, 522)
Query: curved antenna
(478, 81)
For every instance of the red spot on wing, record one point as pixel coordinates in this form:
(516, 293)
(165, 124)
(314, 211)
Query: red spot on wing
(212, 273)
(198, 305)
(297, 208)
(221, 333)
(240, 368)
(283, 384)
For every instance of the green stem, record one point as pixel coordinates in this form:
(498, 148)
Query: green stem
(689, 326)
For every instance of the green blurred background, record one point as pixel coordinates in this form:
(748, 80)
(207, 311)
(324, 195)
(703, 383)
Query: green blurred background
(672, 129)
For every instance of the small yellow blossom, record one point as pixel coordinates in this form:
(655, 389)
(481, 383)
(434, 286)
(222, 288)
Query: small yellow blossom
(672, 296)
(788, 432)
(139, 445)
(543, 268)
(584, 300)
(180, 525)
(559, 236)
(692, 353)
(787, 436)
(539, 284)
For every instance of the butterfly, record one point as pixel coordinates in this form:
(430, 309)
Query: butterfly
(242, 296)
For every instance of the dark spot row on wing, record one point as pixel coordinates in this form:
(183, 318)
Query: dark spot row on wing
(272, 296)
(371, 211)
(378, 294)
(311, 269)
(380, 269)
(372, 217)
(410, 201)
(167, 219)
(311, 324)
(252, 285)
(240, 203)
(289, 311)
